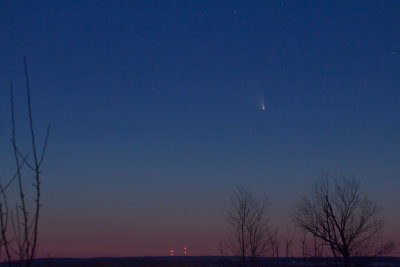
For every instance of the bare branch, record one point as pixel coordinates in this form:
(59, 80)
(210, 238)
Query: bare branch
(342, 217)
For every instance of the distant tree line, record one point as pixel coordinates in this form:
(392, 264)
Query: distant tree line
(335, 221)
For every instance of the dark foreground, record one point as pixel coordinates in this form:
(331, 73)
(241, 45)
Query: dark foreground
(200, 262)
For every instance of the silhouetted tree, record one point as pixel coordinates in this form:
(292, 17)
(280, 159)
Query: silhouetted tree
(21, 241)
(280, 245)
(248, 222)
(313, 248)
(341, 216)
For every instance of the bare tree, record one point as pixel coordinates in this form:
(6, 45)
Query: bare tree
(341, 216)
(21, 241)
(280, 244)
(248, 226)
(312, 248)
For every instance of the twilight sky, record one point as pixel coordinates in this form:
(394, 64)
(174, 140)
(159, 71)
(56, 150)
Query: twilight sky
(156, 112)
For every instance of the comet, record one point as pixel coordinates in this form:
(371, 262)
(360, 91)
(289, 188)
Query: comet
(262, 105)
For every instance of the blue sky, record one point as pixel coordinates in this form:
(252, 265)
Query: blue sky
(156, 113)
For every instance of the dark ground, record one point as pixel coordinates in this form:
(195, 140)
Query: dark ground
(198, 262)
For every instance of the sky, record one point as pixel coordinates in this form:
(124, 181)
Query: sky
(160, 108)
